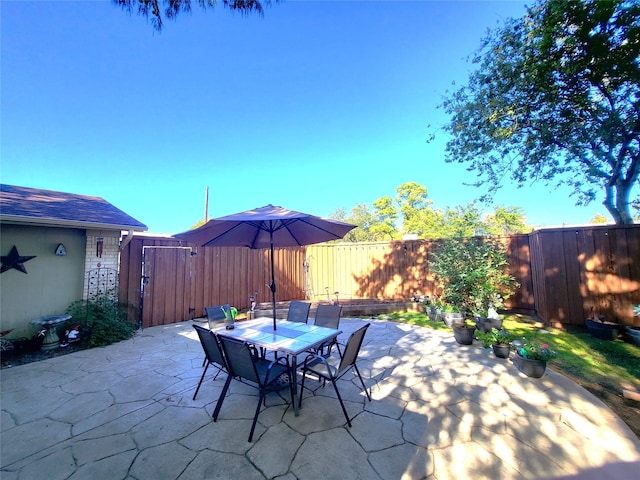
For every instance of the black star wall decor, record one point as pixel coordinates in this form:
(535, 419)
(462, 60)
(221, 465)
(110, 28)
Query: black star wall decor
(14, 260)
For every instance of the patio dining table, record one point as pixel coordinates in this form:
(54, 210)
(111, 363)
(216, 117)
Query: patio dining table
(289, 338)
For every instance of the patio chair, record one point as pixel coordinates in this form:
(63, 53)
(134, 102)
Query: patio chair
(212, 354)
(215, 315)
(328, 316)
(298, 312)
(258, 372)
(321, 366)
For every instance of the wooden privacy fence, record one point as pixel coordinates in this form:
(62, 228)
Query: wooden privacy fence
(390, 270)
(575, 269)
(562, 273)
(169, 280)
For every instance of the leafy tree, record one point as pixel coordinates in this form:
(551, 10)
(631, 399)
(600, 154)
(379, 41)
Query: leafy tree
(555, 98)
(158, 10)
(386, 215)
(418, 215)
(598, 219)
(506, 220)
(367, 223)
(462, 221)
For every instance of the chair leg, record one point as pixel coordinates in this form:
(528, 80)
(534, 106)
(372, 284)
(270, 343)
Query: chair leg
(304, 376)
(344, 410)
(362, 381)
(201, 378)
(223, 394)
(255, 417)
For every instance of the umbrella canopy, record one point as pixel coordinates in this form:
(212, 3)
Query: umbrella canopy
(266, 227)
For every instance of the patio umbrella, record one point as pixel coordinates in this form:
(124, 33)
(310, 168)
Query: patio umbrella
(266, 227)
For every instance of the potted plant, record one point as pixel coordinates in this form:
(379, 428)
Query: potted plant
(634, 332)
(464, 332)
(601, 328)
(430, 308)
(487, 319)
(531, 358)
(498, 340)
(451, 315)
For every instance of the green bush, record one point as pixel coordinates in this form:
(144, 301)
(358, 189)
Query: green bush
(473, 274)
(104, 317)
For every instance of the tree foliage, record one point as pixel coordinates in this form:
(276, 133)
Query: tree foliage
(555, 97)
(413, 213)
(156, 11)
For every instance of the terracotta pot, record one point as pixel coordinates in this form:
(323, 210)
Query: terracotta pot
(531, 368)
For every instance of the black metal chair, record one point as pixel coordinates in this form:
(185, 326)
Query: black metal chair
(215, 318)
(258, 372)
(328, 316)
(212, 354)
(321, 366)
(298, 312)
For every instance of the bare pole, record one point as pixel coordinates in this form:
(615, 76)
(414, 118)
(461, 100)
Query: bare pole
(206, 204)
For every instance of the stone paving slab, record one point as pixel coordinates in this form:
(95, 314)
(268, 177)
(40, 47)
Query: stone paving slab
(439, 411)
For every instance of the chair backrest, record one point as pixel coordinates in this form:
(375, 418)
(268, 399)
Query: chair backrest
(215, 314)
(240, 360)
(352, 348)
(298, 312)
(328, 315)
(210, 345)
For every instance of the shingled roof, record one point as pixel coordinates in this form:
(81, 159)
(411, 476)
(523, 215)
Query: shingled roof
(45, 207)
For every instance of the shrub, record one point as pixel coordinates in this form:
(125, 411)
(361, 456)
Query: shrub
(473, 273)
(104, 317)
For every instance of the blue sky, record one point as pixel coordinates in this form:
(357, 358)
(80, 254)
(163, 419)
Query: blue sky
(315, 106)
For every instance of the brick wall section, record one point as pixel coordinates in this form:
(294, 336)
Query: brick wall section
(110, 257)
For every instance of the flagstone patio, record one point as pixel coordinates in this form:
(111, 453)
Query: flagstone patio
(439, 411)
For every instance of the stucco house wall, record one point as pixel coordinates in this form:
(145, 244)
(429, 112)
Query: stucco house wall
(36, 221)
(51, 283)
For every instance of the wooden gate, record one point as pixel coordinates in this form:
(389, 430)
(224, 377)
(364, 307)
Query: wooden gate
(167, 284)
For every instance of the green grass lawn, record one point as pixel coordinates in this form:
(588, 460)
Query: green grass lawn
(614, 365)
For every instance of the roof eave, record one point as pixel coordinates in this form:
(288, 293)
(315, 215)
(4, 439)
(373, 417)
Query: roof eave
(57, 222)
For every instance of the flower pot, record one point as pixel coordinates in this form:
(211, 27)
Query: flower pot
(486, 324)
(634, 333)
(432, 312)
(602, 330)
(464, 334)
(451, 318)
(501, 350)
(531, 368)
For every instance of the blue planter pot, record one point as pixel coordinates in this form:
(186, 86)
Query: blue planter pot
(602, 330)
(634, 333)
(531, 368)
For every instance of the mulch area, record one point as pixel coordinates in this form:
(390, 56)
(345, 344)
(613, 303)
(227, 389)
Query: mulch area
(10, 360)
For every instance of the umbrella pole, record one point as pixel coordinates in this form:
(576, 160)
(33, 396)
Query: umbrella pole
(273, 283)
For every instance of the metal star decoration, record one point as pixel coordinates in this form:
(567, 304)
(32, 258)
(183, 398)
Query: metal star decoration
(14, 260)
